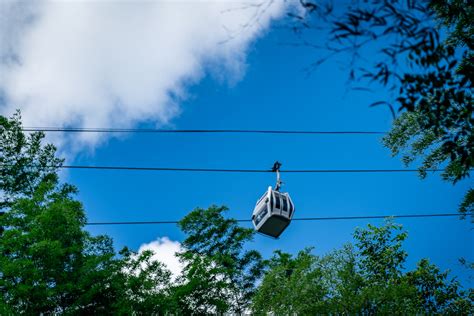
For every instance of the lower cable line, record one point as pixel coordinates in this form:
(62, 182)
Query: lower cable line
(294, 219)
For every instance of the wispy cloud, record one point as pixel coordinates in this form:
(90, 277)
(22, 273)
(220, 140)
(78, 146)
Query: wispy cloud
(118, 63)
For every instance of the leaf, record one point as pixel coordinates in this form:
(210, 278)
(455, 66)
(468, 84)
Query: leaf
(392, 111)
(362, 89)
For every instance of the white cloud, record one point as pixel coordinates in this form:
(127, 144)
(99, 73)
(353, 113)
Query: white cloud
(118, 63)
(165, 251)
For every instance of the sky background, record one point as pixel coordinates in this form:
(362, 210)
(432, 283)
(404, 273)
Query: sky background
(252, 82)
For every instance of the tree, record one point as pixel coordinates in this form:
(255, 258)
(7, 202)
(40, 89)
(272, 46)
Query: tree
(293, 286)
(219, 275)
(142, 285)
(48, 263)
(381, 264)
(422, 52)
(45, 253)
(369, 279)
(410, 139)
(42, 250)
(436, 293)
(24, 161)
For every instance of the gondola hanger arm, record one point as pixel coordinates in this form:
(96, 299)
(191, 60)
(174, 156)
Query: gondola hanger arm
(276, 168)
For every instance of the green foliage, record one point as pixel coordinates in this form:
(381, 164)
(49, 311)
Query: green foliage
(142, 285)
(414, 143)
(219, 274)
(24, 161)
(292, 286)
(370, 280)
(457, 16)
(48, 263)
(422, 52)
(381, 265)
(381, 252)
(43, 242)
(43, 249)
(436, 293)
(467, 205)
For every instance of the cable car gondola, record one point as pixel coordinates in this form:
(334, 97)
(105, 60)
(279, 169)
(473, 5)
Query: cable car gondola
(274, 210)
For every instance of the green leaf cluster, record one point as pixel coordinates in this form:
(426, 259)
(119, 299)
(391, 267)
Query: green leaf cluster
(48, 263)
(422, 54)
(368, 279)
(219, 274)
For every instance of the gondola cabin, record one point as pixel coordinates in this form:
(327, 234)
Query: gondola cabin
(273, 213)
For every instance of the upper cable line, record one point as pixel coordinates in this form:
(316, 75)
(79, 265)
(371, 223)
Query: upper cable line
(226, 170)
(193, 131)
(129, 168)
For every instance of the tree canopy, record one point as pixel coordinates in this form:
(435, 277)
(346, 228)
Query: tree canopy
(368, 278)
(421, 53)
(49, 264)
(219, 275)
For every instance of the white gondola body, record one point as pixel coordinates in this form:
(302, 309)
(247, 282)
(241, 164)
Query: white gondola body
(273, 213)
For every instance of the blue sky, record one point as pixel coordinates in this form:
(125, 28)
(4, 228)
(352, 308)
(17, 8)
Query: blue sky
(274, 94)
(98, 79)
